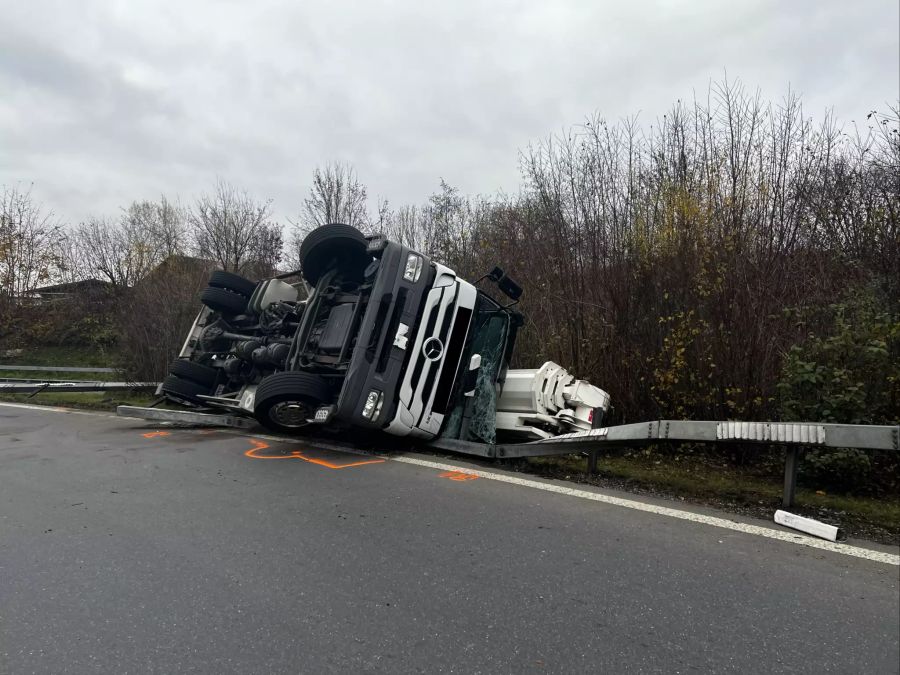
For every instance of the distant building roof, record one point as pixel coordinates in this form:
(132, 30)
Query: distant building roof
(73, 287)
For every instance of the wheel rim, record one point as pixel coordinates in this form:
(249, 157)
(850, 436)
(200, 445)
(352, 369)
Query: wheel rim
(291, 414)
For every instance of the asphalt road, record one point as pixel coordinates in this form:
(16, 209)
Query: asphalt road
(123, 549)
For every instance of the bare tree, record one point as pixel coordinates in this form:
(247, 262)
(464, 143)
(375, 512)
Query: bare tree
(27, 235)
(233, 229)
(265, 252)
(336, 196)
(164, 222)
(124, 251)
(405, 225)
(71, 265)
(121, 252)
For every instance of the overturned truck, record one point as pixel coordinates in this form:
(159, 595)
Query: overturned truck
(377, 336)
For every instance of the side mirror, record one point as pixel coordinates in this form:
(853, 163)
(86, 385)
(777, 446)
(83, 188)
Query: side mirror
(495, 274)
(510, 288)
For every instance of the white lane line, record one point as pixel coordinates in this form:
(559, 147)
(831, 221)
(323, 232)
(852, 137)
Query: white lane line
(845, 549)
(48, 408)
(789, 537)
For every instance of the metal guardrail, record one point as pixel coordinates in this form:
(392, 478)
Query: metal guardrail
(79, 386)
(36, 385)
(58, 369)
(794, 436)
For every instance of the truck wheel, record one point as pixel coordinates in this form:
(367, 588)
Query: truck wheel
(185, 390)
(284, 401)
(332, 245)
(220, 300)
(195, 372)
(232, 282)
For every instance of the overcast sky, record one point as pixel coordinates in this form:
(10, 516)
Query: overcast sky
(102, 103)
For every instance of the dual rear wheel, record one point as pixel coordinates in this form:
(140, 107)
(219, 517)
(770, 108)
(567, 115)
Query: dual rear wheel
(227, 293)
(188, 380)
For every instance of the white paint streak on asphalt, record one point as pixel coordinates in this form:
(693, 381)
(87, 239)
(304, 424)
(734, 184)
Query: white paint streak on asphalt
(745, 528)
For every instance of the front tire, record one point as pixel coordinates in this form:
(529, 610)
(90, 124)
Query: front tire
(284, 401)
(333, 245)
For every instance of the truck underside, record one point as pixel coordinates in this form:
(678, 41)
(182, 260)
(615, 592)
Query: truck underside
(374, 335)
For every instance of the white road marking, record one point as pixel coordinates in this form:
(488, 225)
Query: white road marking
(48, 408)
(769, 533)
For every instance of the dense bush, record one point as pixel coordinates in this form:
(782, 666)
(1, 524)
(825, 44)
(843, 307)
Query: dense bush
(847, 369)
(84, 321)
(155, 316)
(659, 263)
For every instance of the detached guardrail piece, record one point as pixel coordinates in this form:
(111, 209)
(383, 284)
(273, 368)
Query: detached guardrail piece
(808, 525)
(187, 417)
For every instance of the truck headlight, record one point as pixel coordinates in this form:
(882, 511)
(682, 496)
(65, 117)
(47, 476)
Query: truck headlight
(413, 268)
(372, 408)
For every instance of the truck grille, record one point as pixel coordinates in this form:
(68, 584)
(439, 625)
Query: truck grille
(428, 385)
(451, 360)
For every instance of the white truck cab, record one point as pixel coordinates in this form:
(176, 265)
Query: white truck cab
(375, 336)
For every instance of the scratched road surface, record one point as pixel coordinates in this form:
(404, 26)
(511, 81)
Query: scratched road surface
(126, 547)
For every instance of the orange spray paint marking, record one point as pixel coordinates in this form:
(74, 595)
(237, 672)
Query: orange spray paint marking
(154, 434)
(458, 475)
(254, 453)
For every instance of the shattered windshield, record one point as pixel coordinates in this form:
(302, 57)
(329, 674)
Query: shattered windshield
(473, 417)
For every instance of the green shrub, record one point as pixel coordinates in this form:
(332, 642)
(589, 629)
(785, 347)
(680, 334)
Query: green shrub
(846, 371)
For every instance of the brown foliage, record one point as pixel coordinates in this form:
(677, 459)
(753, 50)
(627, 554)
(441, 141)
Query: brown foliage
(156, 314)
(660, 264)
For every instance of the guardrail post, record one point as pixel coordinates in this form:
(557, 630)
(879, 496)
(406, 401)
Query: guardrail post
(791, 460)
(592, 461)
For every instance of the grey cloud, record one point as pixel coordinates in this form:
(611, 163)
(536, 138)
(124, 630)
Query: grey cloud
(103, 103)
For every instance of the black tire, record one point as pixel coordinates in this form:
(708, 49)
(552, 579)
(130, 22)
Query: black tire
(195, 372)
(284, 401)
(185, 390)
(232, 282)
(332, 245)
(226, 302)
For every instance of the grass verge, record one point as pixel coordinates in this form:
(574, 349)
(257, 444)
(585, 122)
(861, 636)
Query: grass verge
(99, 400)
(62, 356)
(59, 375)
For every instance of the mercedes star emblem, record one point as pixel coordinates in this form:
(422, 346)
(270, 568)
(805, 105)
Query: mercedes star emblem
(432, 349)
